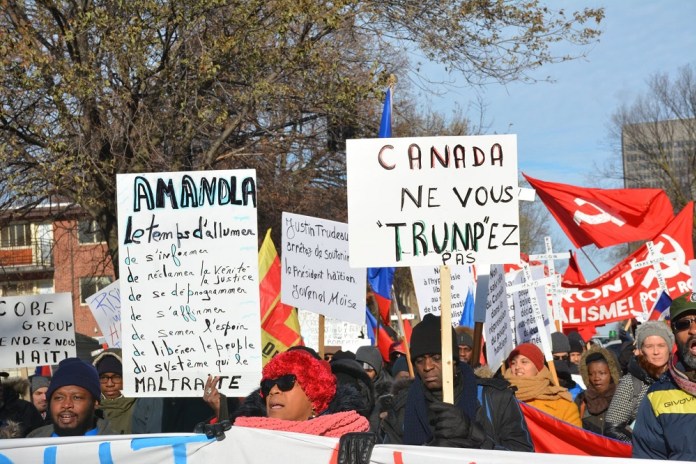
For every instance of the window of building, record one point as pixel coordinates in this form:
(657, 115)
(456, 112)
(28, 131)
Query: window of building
(15, 235)
(91, 285)
(88, 232)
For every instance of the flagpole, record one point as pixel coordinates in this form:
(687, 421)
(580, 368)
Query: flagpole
(591, 262)
(403, 332)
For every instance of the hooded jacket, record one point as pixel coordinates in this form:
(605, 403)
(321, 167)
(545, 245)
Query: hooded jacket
(118, 411)
(595, 422)
(15, 413)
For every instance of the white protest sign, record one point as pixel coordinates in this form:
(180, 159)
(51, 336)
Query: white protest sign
(433, 200)
(531, 307)
(36, 330)
(336, 333)
(426, 282)
(106, 309)
(189, 282)
(316, 276)
(498, 326)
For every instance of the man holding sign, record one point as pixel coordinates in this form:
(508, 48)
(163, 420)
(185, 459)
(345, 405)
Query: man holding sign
(484, 415)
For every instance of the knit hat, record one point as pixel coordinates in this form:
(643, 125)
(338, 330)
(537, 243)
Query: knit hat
(109, 364)
(401, 365)
(38, 381)
(530, 351)
(74, 371)
(559, 343)
(576, 346)
(314, 376)
(658, 328)
(464, 339)
(4, 374)
(682, 304)
(427, 339)
(371, 356)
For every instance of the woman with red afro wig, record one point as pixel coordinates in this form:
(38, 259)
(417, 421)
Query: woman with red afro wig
(297, 391)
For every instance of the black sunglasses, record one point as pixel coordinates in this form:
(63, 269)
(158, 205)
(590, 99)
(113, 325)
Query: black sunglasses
(284, 382)
(683, 323)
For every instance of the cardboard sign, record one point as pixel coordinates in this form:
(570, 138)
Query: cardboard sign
(189, 282)
(36, 330)
(498, 333)
(106, 309)
(433, 200)
(426, 282)
(316, 275)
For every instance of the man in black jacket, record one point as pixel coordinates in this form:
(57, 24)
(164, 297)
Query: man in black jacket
(17, 412)
(485, 414)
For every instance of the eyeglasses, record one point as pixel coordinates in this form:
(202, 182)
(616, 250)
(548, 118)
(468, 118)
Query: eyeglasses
(561, 357)
(284, 383)
(683, 324)
(115, 378)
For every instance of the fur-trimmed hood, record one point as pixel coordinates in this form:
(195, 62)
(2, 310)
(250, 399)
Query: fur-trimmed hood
(614, 369)
(18, 385)
(115, 352)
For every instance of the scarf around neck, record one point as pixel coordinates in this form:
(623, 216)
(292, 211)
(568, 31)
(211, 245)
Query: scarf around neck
(597, 402)
(327, 425)
(538, 387)
(680, 378)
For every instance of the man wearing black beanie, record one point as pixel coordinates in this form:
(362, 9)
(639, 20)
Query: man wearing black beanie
(73, 396)
(485, 414)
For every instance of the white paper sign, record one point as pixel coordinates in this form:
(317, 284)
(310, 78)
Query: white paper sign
(433, 200)
(426, 282)
(106, 309)
(36, 330)
(189, 282)
(498, 327)
(316, 276)
(526, 325)
(336, 333)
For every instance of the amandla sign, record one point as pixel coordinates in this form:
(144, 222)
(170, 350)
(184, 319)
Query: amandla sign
(433, 200)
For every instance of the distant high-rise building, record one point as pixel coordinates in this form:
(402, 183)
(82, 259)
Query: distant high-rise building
(660, 154)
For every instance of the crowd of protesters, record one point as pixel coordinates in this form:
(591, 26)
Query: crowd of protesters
(643, 394)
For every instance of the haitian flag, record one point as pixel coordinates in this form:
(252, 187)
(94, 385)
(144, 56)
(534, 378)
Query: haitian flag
(382, 339)
(657, 313)
(280, 327)
(551, 435)
(381, 278)
(605, 217)
(616, 295)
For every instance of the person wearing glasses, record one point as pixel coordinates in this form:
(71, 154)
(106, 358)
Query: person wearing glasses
(73, 396)
(298, 393)
(117, 408)
(654, 342)
(666, 417)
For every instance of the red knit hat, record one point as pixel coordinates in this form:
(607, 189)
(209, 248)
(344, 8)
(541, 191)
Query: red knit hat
(530, 351)
(314, 375)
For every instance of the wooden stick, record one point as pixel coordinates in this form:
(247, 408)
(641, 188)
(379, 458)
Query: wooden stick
(446, 331)
(321, 336)
(476, 349)
(554, 375)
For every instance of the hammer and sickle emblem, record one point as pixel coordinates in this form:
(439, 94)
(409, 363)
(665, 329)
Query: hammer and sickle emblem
(600, 217)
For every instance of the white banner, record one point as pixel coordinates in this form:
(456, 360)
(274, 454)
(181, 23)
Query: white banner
(36, 330)
(498, 334)
(253, 446)
(316, 276)
(426, 282)
(106, 309)
(336, 333)
(188, 250)
(422, 201)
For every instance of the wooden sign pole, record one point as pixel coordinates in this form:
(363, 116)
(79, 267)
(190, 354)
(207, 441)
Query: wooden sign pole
(321, 336)
(446, 331)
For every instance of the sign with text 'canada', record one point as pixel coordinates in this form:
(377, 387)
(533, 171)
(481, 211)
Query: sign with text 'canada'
(316, 275)
(433, 200)
(189, 282)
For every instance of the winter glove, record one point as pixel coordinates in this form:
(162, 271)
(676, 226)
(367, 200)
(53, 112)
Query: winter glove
(452, 428)
(216, 431)
(356, 447)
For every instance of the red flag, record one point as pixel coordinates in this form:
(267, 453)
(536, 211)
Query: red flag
(605, 217)
(616, 295)
(573, 275)
(280, 327)
(551, 435)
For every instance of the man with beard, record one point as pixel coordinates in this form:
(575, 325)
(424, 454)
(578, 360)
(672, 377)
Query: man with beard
(73, 396)
(667, 415)
(38, 386)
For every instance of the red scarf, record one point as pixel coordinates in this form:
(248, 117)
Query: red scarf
(329, 425)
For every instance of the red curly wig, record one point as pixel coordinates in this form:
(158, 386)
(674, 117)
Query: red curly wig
(314, 375)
